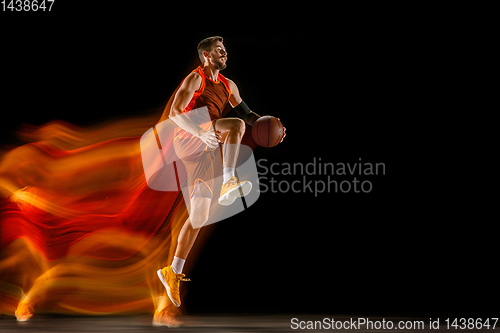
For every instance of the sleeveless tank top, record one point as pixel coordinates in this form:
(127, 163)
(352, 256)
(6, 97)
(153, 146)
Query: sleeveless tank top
(212, 94)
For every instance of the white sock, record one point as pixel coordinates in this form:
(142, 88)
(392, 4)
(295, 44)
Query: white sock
(178, 265)
(227, 173)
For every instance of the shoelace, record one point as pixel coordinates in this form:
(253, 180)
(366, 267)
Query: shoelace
(177, 280)
(232, 181)
(180, 277)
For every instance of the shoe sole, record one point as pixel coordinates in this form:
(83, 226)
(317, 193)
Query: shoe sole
(230, 196)
(165, 284)
(156, 324)
(22, 319)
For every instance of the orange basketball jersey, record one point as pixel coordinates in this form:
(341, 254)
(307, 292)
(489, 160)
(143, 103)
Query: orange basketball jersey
(212, 94)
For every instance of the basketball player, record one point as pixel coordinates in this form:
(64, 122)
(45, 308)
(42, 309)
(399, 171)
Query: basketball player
(205, 87)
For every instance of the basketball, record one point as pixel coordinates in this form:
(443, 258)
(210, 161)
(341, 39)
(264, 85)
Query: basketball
(267, 131)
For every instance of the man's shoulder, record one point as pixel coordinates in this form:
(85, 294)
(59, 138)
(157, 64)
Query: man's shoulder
(230, 82)
(192, 80)
(194, 76)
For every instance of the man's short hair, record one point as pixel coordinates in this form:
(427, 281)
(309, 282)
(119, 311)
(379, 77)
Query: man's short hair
(206, 45)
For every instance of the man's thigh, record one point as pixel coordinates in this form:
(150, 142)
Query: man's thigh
(227, 124)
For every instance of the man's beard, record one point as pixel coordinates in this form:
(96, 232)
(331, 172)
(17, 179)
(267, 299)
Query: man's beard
(220, 65)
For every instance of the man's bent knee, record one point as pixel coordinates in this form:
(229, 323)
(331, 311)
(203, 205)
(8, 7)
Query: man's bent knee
(198, 219)
(199, 212)
(237, 125)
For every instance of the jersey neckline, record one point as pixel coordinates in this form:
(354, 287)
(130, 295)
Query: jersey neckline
(205, 75)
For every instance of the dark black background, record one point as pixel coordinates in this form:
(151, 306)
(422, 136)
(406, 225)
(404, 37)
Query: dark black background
(403, 86)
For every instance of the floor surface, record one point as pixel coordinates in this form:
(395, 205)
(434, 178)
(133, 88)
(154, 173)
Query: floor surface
(226, 323)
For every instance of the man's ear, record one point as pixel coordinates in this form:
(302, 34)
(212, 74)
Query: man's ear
(206, 55)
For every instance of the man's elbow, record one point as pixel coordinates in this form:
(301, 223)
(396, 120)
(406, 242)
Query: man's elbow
(175, 112)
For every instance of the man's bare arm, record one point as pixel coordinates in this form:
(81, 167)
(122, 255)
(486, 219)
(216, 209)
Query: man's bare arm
(181, 101)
